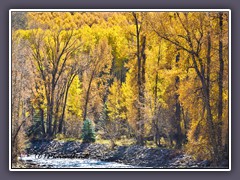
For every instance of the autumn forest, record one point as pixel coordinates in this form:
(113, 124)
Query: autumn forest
(153, 79)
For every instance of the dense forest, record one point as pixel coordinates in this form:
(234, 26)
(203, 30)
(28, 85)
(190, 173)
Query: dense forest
(156, 79)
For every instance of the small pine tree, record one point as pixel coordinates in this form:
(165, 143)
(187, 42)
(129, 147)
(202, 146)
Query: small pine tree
(88, 134)
(35, 130)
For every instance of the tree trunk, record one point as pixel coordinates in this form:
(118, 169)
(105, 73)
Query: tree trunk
(54, 131)
(87, 97)
(140, 123)
(220, 85)
(50, 113)
(142, 97)
(206, 100)
(51, 104)
(178, 110)
(42, 120)
(60, 127)
(186, 124)
(208, 62)
(155, 118)
(178, 120)
(211, 128)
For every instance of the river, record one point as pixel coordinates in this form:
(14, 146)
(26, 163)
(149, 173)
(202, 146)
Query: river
(71, 163)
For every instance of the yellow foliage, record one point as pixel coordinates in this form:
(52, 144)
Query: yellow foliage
(74, 101)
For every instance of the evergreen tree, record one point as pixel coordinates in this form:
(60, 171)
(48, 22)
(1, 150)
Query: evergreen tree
(88, 134)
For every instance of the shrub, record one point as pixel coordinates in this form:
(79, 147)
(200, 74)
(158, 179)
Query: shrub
(88, 134)
(60, 137)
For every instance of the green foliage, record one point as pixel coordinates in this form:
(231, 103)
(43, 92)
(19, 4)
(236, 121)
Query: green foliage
(88, 134)
(35, 130)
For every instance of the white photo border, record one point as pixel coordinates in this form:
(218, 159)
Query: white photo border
(118, 10)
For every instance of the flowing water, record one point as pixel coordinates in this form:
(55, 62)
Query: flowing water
(71, 163)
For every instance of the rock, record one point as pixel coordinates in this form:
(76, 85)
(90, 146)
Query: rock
(205, 163)
(133, 155)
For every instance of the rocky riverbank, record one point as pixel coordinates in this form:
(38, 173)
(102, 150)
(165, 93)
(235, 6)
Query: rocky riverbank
(131, 155)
